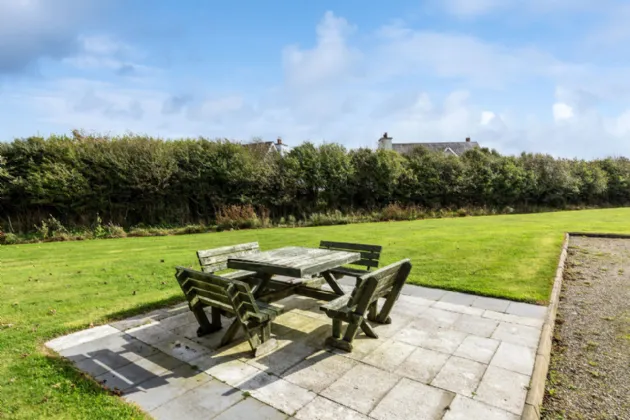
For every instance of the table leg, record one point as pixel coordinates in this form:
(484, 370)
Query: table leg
(205, 326)
(262, 285)
(332, 282)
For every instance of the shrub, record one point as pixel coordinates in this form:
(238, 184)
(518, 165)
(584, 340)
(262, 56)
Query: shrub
(397, 212)
(114, 231)
(327, 219)
(8, 238)
(51, 228)
(139, 232)
(237, 217)
(188, 229)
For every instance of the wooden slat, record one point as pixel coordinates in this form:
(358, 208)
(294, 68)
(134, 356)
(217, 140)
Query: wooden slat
(349, 271)
(213, 268)
(325, 257)
(314, 293)
(367, 255)
(218, 259)
(367, 263)
(205, 277)
(336, 304)
(261, 267)
(210, 299)
(188, 283)
(386, 283)
(348, 246)
(338, 261)
(238, 275)
(227, 249)
(294, 261)
(385, 271)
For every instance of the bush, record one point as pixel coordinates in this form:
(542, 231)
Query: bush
(189, 229)
(139, 232)
(8, 238)
(327, 219)
(114, 231)
(397, 212)
(237, 217)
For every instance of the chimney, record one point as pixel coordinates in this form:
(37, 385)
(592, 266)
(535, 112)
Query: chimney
(281, 147)
(467, 139)
(385, 142)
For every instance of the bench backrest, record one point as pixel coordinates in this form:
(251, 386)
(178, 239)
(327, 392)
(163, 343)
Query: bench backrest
(380, 283)
(207, 289)
(370, 254)
(213, 260)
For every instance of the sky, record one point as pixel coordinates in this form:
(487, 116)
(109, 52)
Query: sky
(549, 76)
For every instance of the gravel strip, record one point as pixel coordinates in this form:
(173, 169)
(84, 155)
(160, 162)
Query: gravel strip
(589, 374)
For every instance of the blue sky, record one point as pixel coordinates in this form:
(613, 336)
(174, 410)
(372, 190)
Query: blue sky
(516, 75)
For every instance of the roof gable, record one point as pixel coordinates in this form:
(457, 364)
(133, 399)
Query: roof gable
(456, 148)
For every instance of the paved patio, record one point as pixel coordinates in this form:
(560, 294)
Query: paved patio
(446, 355)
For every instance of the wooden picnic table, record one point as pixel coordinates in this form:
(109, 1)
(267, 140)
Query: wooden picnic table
(298, 264)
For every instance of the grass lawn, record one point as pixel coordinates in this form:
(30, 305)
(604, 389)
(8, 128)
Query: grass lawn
(51, 289)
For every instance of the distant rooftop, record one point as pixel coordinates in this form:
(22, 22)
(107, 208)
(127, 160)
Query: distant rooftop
(456, 148)
(265, 147)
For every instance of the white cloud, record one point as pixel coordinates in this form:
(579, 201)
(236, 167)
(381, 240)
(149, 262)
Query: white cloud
(476, 8)
(105, 52)
(32, 29)
(468, 8)
(487, 117)
(454, 56)
(337, 92)
(330, 58)
(562, 111)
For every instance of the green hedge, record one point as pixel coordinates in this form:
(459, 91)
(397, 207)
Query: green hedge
(136, 180)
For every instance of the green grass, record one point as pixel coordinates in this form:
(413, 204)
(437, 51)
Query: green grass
(53, 288)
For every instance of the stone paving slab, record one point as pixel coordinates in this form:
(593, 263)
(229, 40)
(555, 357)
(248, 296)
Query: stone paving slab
(463, 408)
(277, 392)
(445, 355)
(249, 409)
(460, 375)
(324, 409)
(476, 325)
(412, 400)
(361, 388)
(517, 334)
(503, 389)
(477, 348)
(204, 401)
(318, 371)
(422, 365)
(159, 390)
(129, 376)
(80, 337)
(519, 359)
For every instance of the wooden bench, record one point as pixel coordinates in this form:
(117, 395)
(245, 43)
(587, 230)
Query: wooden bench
(370, 255)
(232, 297)
(352, 308)
(215, 260)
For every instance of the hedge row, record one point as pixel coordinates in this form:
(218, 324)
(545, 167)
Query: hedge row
(136, 180)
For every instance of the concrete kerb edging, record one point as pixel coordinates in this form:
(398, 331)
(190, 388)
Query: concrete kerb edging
(536, 391)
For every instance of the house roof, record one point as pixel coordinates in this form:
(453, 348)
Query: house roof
(457, 148)
(261, 146)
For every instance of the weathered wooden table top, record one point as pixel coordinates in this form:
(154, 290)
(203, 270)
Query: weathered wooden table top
(294, 261)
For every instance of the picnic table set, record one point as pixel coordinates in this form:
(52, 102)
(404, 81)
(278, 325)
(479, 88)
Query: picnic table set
(262, 278)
